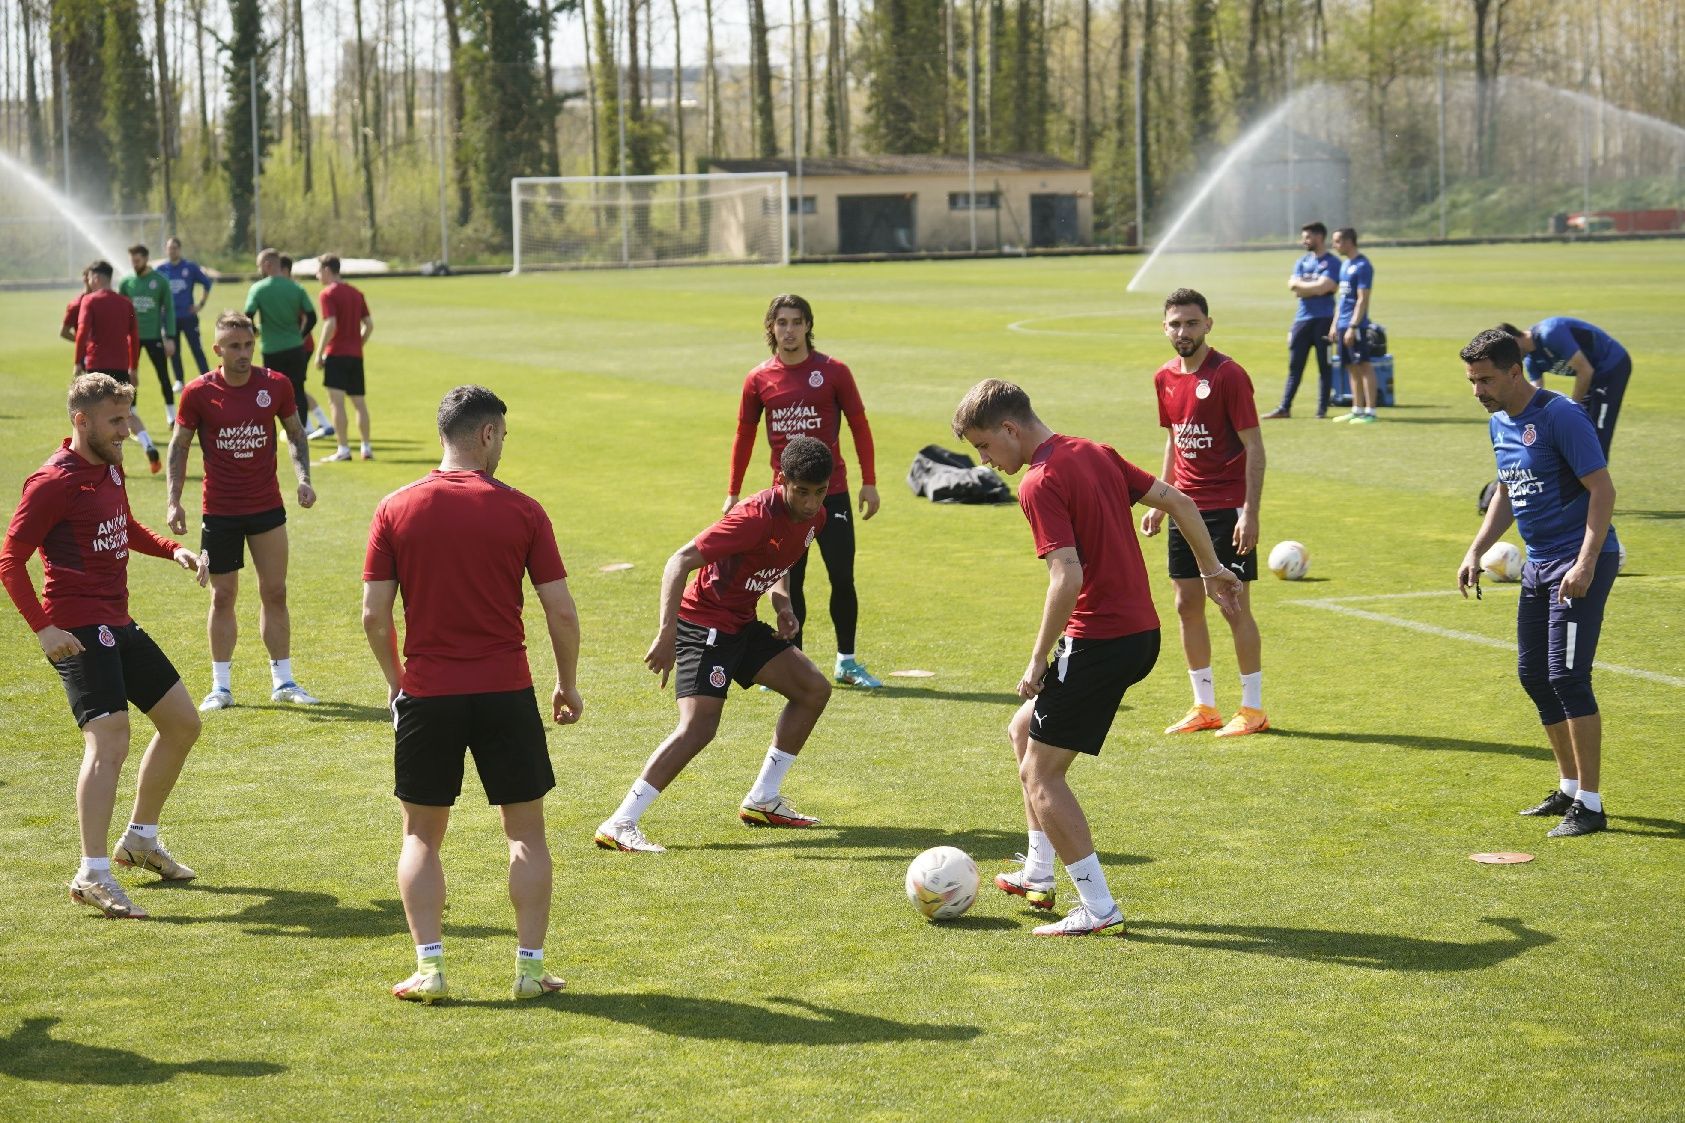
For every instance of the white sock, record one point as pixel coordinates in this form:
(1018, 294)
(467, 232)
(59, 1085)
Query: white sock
(1205, 690)
(1038, 862)
(1252, 690)
(1591, 801)
(367, 448)
(522, 955)
(1569, 787)
(146, 441)
(637, 801)
(170, 413)
(280, 672)
(841, 658)
(1091, 885)
(345, 447)
(145, 831)
(321, 418)
(424, 952)
(94, 867)
(773, 768)
(222, 675)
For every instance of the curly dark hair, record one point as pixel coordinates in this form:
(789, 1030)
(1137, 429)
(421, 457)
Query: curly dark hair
(805, 460)
(1496, 346)
(792, 301)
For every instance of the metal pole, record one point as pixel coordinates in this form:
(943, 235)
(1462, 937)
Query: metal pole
(1585, 163)
(64, 135)
(1292, 168)
(1140, 161)
(1444, 218)
(971, 127)
(439, 148)
(620, 86)
(257, 170)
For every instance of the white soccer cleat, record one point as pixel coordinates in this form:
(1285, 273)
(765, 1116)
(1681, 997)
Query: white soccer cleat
(294, 693)
(1081, 922)
(218, 699)
(336, 457)
(624, 835)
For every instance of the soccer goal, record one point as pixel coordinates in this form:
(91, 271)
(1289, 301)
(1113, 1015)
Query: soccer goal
(54, 248)
(585, 222)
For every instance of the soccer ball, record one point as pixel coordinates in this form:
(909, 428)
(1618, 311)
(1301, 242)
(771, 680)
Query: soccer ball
(1290, 560)
(1502, 562)
(942, 882)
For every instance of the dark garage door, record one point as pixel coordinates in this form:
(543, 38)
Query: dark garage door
(875, 224)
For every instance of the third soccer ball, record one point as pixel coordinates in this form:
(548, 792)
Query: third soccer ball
(942, 882)
(1290, 560)
(1502, 562)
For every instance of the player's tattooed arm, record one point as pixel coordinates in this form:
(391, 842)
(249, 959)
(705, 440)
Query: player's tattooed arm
(298, 444)
(175, 476)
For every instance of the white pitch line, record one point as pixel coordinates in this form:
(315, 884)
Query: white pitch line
(1336, 604)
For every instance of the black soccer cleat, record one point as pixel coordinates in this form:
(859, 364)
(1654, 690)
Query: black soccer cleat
(1580, 820)
(1556, 803)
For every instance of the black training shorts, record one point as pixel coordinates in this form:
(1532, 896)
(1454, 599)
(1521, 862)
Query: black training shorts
(709, 660)
(343, 373)
(1084, 686)
(224, 536)
(294, 362)
(1220, 525)
(119, 664)
(503, 730)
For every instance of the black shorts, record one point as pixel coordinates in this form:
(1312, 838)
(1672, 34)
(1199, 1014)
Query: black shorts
(503, 730)
(1220, 525)
(1084, 686)
(343, 373)
(119, 664)
(294, 362)
(709, 660)
(223, 537)
(1359, 353)
(120, 375)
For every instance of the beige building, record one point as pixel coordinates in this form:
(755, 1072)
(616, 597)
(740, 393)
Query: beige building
(922, 204)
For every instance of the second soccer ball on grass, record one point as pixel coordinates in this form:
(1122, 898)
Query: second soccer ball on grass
(942, 882)
(1290, 560)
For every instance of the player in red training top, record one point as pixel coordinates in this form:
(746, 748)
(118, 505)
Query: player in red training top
(108, 342)
(1214, 454)
(346, 327)
(73, 310)
(233, 411)
(1099, 611)
(710, 633)
(75, 510)
(804, 392)
(457, 544)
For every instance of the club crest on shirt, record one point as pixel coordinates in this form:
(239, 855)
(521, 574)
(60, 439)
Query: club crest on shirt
(1203, 390)
(716, 678)
(263, 397)
(810, 536)
(816, 380)
(105, 637)
(1529, 434)
(116, 478)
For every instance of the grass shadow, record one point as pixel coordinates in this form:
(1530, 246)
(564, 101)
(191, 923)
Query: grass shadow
(977, 924)
(782, 1021)
(1626, 514)
(1370, 950)
(898, 844)
(1420, 741)
(1653, 828)
(295, 912)
(336, 711)
(29, 1052)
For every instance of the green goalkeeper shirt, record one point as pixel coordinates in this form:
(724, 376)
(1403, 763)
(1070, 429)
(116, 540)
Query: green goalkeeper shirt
(279, 303)
(155, 305)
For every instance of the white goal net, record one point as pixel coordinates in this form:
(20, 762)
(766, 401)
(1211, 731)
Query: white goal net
(585, 222)
(51, 248)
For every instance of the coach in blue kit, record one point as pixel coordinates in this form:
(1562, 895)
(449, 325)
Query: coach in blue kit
(184, 276)
(1553, 481)
(1314, 279)
(1357, 279)
(1599, 365)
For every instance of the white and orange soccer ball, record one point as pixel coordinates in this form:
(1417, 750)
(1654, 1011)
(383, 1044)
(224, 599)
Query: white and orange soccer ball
(942, 882)
(1502, 562)
(1290, 560)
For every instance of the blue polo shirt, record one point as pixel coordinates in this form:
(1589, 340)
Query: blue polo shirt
(1355, 274)
(182, 278)
(1311, 268)
(1557, 338)
(1541, 454)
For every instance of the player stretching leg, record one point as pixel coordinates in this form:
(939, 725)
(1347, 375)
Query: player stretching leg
(1215, 455)
(75, 510)
(1077, 496)
(457, 543)
(233, 411)
(804, 392)
(710, 633)
(1553, 481)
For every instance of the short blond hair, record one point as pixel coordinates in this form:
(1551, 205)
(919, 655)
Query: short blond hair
(989, 403)
(266, 255)
(89, 390)
(234, 319)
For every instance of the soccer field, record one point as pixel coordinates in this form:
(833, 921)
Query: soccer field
(1307, 937)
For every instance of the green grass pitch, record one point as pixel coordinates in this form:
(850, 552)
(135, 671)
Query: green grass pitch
(1308, 938)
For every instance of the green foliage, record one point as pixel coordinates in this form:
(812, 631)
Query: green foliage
(78, 32)
(1021, 89)
(905, 78)
(245, 48)
(1201, 73)
(131, 106)
(503, 130)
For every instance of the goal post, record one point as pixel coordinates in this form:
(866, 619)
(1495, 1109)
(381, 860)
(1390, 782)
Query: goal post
(623, 222)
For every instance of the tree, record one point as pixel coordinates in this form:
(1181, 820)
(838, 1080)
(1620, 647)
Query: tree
(836, 81)
(77, 31)
(166, 113)
(245, 51)
(131, 109)
(33, 130)
(371, 226)
(608, 92)
(503, 122)
(760, 82)
(906, 85)
(301, 95)
(1019, 88)
(453, 38)
(1201, 73)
